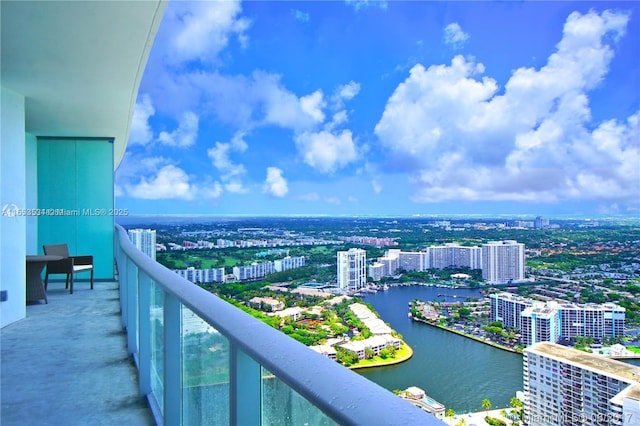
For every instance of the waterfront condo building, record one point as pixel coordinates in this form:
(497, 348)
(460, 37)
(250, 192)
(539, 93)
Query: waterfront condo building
(540, 323)
(144, 240)
(454, 255)
(412, 260)
(391, 261)
(502, 261)
(376, 271)
(567, 387)
(352, 269)
(591, 319)
(552, 321)
(507, 308)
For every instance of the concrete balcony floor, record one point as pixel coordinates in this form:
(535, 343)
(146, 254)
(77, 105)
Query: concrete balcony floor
(66, 363)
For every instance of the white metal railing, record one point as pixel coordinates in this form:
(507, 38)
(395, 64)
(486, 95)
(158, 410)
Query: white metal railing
(234, 368)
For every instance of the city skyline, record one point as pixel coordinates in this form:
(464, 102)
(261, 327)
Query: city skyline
(388, 108)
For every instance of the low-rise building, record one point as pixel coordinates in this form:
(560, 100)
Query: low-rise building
(375, 343)
(420, 399)
(274, 304)
(295, 313)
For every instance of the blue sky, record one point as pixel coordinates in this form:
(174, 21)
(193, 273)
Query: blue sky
(389, 108)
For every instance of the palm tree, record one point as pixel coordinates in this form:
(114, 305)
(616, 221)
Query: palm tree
(486, 404)
(517, 405)
(515, 402)
(450, 413)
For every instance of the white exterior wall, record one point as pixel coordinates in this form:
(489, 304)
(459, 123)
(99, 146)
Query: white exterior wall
(352, 269)
(13, 172)
(502, 261)
(144, 240)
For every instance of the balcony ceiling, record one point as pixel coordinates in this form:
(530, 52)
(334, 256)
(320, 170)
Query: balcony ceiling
(78, 63)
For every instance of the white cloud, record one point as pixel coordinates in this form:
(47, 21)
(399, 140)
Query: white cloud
(235, 187)
(333, 200)
(300, 15)
(348, 91)
(312, 105)
(338, 118)
(186, 133)
(432, 103)
(460, 138)
(203, 29)
(275, 184)
(454, 36)
(364, 4)
(141, 132)
(156, 178)
(310, 196)
(170, 183)
(326, 151)
(377, 186)
(219, 155)
(258, 100)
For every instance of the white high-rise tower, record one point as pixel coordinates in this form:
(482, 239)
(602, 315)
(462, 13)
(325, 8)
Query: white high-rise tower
(502, 261)
(144, 240)
(352, 269)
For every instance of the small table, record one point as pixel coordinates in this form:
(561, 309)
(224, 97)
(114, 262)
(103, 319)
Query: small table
(35, 286)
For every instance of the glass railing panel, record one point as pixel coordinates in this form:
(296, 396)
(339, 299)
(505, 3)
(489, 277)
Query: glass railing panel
(205, 372)
(157, 344)
(281, 405)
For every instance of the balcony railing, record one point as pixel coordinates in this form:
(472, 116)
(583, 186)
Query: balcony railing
(203, 361)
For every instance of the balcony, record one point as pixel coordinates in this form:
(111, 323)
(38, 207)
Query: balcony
(184, 356)
(67, 363)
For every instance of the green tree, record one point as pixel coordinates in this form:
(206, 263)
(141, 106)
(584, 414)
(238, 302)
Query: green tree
(369, 353)
(450, 413)
(514, 402)
(517, 406)
(486, 404)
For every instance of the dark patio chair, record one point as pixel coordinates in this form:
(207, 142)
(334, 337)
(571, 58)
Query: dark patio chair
(68, 265)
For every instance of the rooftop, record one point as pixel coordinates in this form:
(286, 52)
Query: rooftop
(598, 364)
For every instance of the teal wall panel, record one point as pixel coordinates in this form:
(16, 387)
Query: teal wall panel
(75, 180)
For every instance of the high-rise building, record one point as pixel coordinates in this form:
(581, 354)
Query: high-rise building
(412, 260)
(455, 256)
(352, 269)
(502, 261)
(194, 275)
(144, 240)
(288, 263)
(553, 321)
(592, 320)
(507, 308)
(391, 261)
(567, 387)
(540, 323)
(376, 271)
(541, 222)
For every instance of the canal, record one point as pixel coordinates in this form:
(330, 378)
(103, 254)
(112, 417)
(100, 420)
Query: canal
(454, 370)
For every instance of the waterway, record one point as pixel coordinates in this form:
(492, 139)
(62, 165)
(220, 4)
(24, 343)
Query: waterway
(454, 370)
